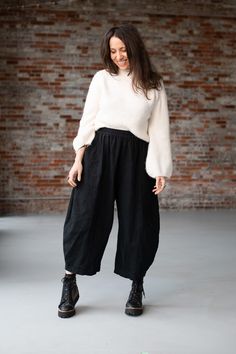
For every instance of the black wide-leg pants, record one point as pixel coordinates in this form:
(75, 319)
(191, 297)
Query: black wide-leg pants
(113, 170)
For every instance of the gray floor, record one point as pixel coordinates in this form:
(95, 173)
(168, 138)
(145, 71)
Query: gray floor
(190, 291)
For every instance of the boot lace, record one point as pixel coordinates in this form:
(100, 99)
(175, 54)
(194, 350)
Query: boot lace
(67, 284)
(135, 292)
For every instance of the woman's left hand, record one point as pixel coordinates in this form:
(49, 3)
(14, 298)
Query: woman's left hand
(160, 185)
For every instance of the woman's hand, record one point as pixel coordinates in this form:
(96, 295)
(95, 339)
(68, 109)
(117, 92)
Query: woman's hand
(160, 185)
(77, 168)
(75, 172)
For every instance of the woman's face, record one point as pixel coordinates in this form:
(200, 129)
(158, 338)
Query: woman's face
(118, 53)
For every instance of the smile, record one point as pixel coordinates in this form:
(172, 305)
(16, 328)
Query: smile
(122, 61)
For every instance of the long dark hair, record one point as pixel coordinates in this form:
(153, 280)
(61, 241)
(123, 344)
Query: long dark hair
(144, 75)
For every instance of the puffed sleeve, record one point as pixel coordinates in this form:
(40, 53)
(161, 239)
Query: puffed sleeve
(159, 160)
(86, 131)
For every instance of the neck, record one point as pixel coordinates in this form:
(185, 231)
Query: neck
(123, 72)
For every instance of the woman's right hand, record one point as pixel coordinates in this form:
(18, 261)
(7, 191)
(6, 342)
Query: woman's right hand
(75, 172)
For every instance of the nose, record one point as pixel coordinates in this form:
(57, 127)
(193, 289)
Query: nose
(119, 55)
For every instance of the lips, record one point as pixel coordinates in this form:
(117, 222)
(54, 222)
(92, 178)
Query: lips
(122, 62)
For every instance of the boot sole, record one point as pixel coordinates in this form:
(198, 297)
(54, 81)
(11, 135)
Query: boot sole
(68, 314)
(133, 311)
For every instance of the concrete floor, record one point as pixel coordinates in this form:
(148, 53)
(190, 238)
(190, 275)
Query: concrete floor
(190, 291)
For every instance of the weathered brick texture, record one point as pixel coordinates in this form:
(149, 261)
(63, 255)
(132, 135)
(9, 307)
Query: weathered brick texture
(50, 51)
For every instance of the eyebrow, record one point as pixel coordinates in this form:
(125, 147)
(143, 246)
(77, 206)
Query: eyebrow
(118, 48)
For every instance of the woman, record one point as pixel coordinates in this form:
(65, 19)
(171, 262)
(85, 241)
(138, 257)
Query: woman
(122, 154)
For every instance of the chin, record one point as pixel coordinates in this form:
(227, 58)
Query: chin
(123, 67)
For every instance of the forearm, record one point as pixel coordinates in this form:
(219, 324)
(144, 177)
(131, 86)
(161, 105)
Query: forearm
(80, 153)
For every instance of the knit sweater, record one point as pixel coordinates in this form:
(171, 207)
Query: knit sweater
(113, 103)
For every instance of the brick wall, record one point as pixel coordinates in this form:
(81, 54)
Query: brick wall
(49, 52)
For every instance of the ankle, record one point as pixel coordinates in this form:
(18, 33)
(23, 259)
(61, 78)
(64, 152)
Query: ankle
(137, 285)
(70, 276)
(138, 280)
(68, 272)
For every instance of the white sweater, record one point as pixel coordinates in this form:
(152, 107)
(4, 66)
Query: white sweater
(111, 102)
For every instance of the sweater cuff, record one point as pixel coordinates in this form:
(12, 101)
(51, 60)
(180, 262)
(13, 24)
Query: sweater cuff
(79, 141)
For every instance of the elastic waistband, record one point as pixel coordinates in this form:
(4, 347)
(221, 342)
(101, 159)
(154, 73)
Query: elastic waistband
(117, 132)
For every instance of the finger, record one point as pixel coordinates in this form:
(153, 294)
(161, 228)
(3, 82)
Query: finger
(158, 189)
(79, 174)
(71, 182)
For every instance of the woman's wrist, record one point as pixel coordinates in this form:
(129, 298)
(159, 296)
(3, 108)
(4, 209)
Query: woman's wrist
(79, 154)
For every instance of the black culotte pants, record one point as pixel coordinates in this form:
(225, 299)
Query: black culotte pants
(113, 170)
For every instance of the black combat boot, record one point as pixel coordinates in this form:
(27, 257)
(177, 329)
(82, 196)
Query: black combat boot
(134, 306)
(69, 297)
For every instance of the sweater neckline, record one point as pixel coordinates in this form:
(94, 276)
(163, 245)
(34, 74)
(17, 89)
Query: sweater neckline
(124, 73)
